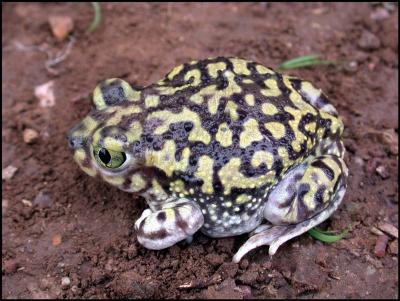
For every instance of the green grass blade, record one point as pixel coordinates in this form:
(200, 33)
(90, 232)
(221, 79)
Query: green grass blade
(97, 17)
(311, 57)
(304, 61)
(327, 236)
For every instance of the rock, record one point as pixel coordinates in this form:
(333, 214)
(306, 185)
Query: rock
(75, 290)
(270, 291)
(130, 284)
(226, 290)
(246, 291)
(351, 67)
(360, 56)
(244, 263)
(250, 276)
(4, 205)
(26, 202)
(380, 246)
(61, 26)
(369, 41)
(65, 282)
(11, 266)
(98, 276)
(379, 14)
(389, 229)
(376, 231)
(109, 265)
(382, 172)
(390, 138)
(30, 136)
(45, 284)
(359, 161)
(307, 277)
(389, 57)
(42, 200)
(394, 247)
(132, 251)
(214, 259)
(370, 270)
(56, 240)
(228, 270)
(45, 94)
(8, 172)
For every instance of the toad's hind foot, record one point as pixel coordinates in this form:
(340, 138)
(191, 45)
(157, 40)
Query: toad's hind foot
(275, 236)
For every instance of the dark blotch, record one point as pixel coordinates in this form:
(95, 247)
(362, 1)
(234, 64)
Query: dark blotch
(325, 168)
(112, 93)
(188, 125)
(161, 216)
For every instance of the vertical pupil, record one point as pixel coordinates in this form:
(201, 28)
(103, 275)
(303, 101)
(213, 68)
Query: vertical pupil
(104, 156)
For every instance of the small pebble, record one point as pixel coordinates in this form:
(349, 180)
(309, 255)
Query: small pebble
(389, 229)
(61, 26)
(214, 259)
(42, 200)
(8, 172)
(65, 282)
(380, 246)
(244, 263)
(390, 138)
(26, 202)
(359, 161)
(132, 251)
(30, 136)
(369, 41)
(4, 204)
(370, 270)
(394, 247)
(376, 231)
(246, 291)
(379, 14)
(11, 266)
(44, 284)
(45, 94)
(56, 239)
(351, 67)
(382, 172)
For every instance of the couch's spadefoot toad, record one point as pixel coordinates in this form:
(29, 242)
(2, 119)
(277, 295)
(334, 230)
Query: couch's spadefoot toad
(222, 145)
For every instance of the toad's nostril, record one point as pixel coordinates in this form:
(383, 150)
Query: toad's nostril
(75, 142)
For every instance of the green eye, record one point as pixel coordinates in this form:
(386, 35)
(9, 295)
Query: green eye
(109, 158)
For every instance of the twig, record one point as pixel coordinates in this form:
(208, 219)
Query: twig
(61, 56)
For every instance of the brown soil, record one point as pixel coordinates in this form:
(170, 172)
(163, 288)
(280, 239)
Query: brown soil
(70, 225)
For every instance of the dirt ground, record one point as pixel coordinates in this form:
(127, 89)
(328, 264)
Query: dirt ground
(66, 235)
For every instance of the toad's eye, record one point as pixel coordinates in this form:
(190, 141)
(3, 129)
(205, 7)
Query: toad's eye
(109, 158)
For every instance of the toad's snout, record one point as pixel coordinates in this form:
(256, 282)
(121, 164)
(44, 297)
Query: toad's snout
(75, 142)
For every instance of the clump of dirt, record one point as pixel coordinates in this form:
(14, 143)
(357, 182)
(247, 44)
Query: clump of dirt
(66, 235)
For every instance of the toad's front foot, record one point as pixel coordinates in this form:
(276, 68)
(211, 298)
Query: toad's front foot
(176, 221)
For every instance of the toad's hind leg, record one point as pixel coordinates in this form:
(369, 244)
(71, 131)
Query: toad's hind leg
(175, 221)
(306, 197)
